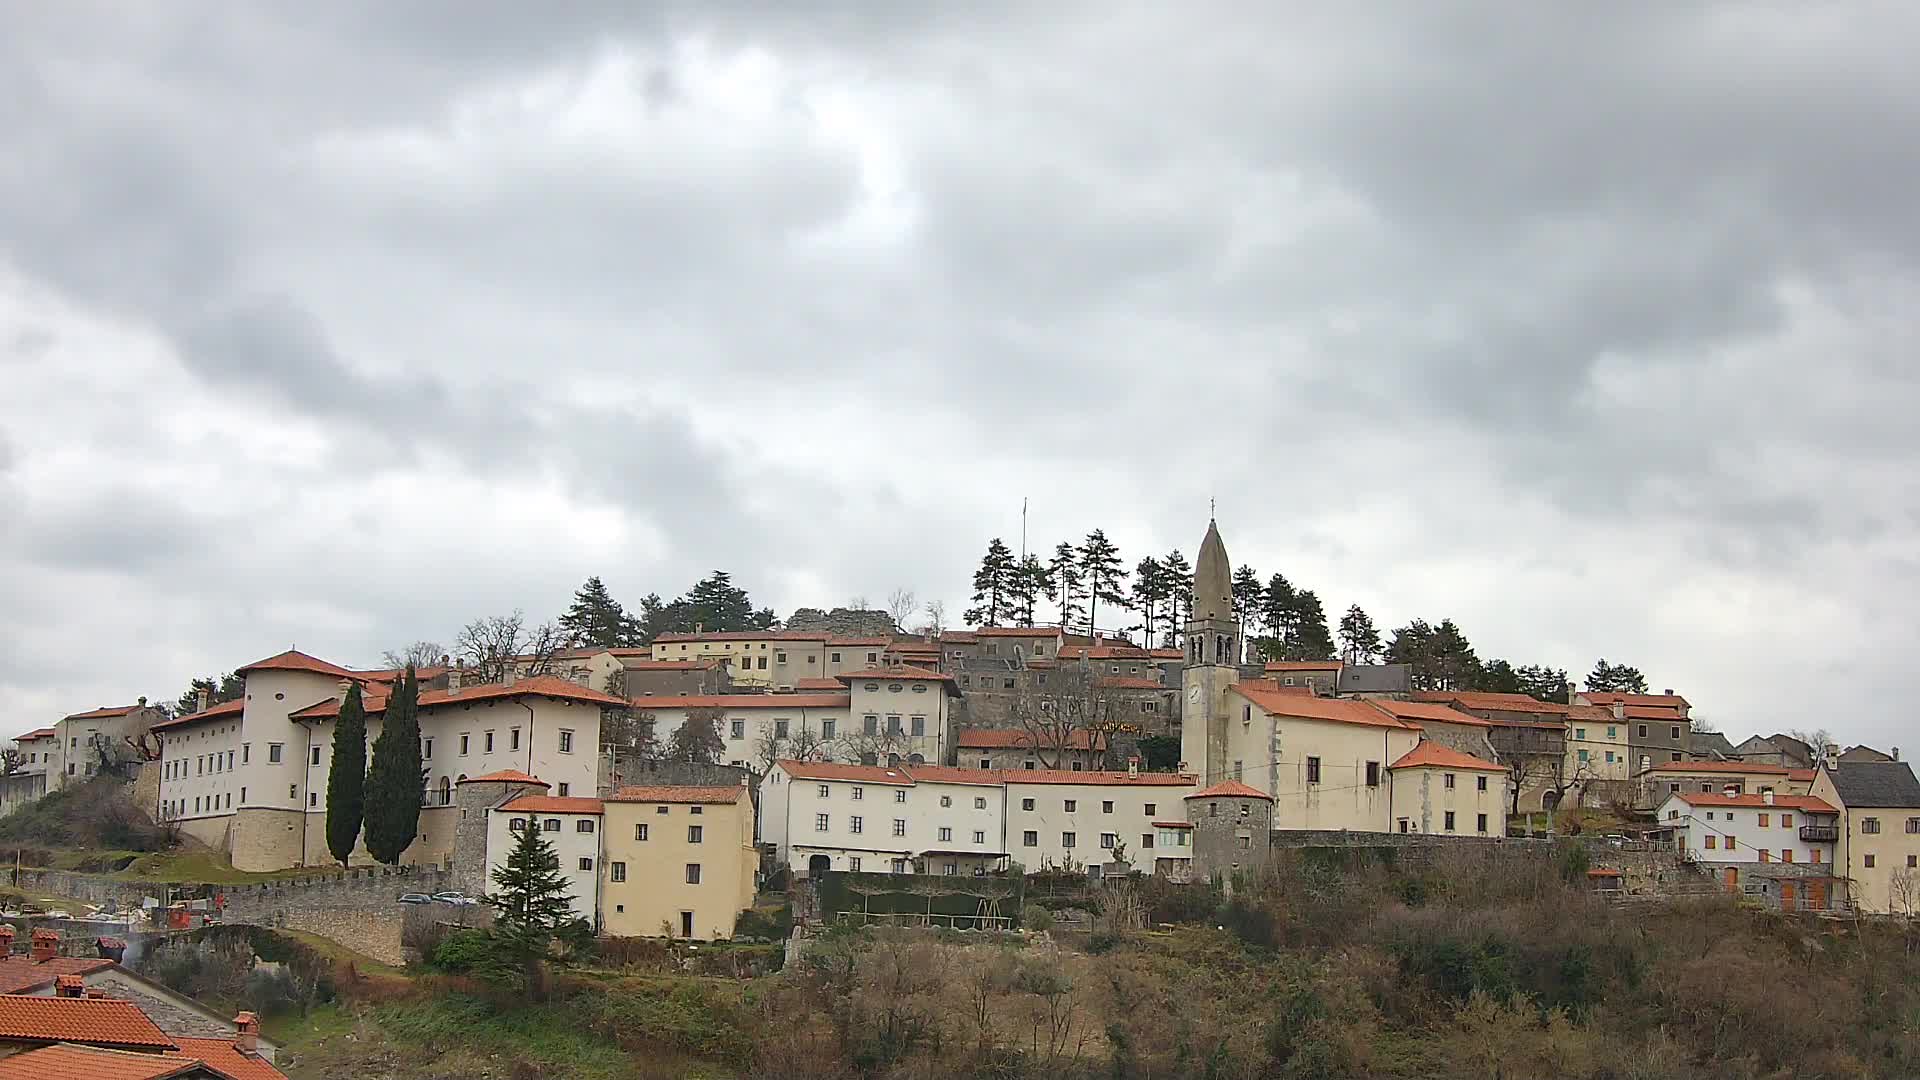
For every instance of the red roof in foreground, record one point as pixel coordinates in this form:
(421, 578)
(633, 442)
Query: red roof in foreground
(1432, 754)
(222, 1055)
(94, 1021)
(554, 804)
(833, 770)
(826, 685)
(1757, 801)
(1230, 789)
(68, 1062)
(295, 660)
(1430, 711)
(1801, 776)
(506, 776)
(22, 974)
(712, 796)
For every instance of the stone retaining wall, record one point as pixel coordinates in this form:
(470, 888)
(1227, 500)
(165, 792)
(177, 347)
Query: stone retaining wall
(358, 909)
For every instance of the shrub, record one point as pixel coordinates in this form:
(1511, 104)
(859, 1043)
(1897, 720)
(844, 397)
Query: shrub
(767, 924)
(1036, 917)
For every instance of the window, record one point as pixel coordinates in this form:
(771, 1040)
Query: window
(1026, 804)
(1373, 774)
(584, 825)
(1236, 769)
(762, 665)
(1449, 824)
(1108, 840)
(779, 658)
(820, 822)
(1072, 805)
(273, 752)
(899, 796)
(1814, 855)
(893, 724)
(1609, 757)
(1710, 842)
(826, 730)
(870, 724)
(1480, 822)
(315, 755)
(564, 787)
(293, 791)
(616, 871)
(855, 824)
(1786, 854)
(986, 763)
(1580, 734)
(1150, 809)
(1582, 754)
(695, 833)
(1030, 839)
(640, 831)
(836, 658)
(979, 802)
(552, 824)
(566, 740)
(899, 826)
(1786, 821)
(693, 878)
(917, 725)
(1313, 770)
(465, 739)
(946, 835)
(738, 729)
(1480, 783)
(853, 863)
(243, 794)
(780, 729)
(586, 863)
(1675, 734)
(859, 793)
(1106, 807)
(822, 791)
(1870, 825)
(1867, 860)
(946, 800)
(1077, 766)
(1913, 825)
(486, 743)
(426, 748)
(1912, 860)
(979, 836)
(1066, 840)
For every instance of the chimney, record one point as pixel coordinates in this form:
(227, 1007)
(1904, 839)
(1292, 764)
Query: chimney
(1833, 752)
(1731, 791)
(454, 675)
(46, 946)
(246, 1034)
(507, 676)
(95, 993)
(110, 948)
(143, 702)
(1620, 710)
(69, 986)
(446, 661)
(6, 940)
(1133, 768)
(1896, 753)
(1668, 691)
(200, 700)
(1573, 690)
(1766, 796)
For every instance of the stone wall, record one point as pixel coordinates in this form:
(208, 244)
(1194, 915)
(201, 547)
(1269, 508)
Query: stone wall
(358, 909)
(91, 888)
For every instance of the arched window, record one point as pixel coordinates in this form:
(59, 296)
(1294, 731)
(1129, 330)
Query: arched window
(893, 761)
(916, 759)
(446, 792)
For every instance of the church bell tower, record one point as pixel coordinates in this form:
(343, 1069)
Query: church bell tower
(1212, 663)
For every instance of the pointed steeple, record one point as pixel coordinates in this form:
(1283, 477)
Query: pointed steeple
(1213, 579)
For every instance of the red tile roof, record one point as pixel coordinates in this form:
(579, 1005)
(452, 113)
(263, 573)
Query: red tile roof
(1230, 789)
(36, 733)
(906, 672)
(221, 1054)
(745, 701)
(554, 804)
(1167, 654)
(946, 774)
(1017, 739)
(21, 974)
(1303, 665)
(1304, 707)
(1017, 631)
(833, 770)
(105, 712)
(69, 1062)
(1128, 682)
(1757, 801)
(637, 662)
(546, 686)
(1430, 754)
(710, 796)
(1653, 712)
(958, 637)
(1104, 652)
(212, 712)
(878, 643)
(744, 635)
(1491, 702)
(829, 685)
(1801, 776)
(1174, 824)
(1431, 712)
(1608, 697)
(295, 660)
(94, 1021)
(505, 776)
(1067, 776)
(1737, 767)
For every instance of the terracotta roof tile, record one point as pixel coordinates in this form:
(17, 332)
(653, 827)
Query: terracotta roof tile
(221, 1054)
(833, 770)
(1167, 654)
(1735, 767)
(71, 1062)
(1068, 776)
(1608, 697)
(20, 974)
(105, 713)
(1802, 776)
(947, 774)
(743, 635)
(712, 796)
(224, 710)
(295, 660)
(825, 684)
(875, 643)
(1430, 754)
(94, 1021)
(1432, 712)
(546, 686)
(506, 776)
(1303, 707)
(1232, 789)
(744, 701)
(1491, 702)
(554, 804)
(36, 733)
(1757, 801)
(958, 637)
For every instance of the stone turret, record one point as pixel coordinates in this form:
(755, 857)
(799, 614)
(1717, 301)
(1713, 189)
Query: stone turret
(1212, 663)
(1231, 823)
(476, 798)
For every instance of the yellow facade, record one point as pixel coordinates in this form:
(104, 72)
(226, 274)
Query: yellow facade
(1889, 839)
(646, 889)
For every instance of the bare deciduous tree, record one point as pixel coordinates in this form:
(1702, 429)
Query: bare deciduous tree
(901, 603)
(803, 744)
(881, 746)
(11, 761)
(491, 647)
(1052, 706)
(419, 654)
(936, 612)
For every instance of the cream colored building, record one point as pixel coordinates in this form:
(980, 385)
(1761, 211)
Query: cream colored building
(1597, 748)
(748, 721)
(677, 861)
(823, 816)
(571, 825)
(1059, 818)
(1325, 761)
(1707, 777)
(1877, 847)
(73, 753)
(1437, 789)
(763, 659)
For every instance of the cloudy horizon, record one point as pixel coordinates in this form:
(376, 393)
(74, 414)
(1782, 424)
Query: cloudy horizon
(1588, 328)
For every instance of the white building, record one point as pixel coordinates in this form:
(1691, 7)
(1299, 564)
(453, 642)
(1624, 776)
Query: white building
(1750, 828)
(72, 753)
(870, 818)
(572, 826)
(1059, 818)
(748, 720)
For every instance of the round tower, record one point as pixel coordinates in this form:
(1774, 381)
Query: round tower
(1232, 824)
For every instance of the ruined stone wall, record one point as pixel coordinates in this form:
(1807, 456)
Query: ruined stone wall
(359, 909)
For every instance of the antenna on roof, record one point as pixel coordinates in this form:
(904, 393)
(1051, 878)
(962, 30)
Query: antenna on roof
(1023, 528)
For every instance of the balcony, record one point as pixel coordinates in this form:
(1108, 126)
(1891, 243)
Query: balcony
(1819, 834)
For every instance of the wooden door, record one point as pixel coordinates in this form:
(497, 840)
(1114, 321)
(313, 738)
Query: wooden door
(1816, 896)
(1732, 879)
(1788, 895)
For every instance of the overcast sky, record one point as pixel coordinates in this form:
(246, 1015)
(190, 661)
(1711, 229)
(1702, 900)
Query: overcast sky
(1591, 326)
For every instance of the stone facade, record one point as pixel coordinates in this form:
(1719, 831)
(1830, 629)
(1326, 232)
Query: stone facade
(472, 800)
(358, 909)
(1231, 836)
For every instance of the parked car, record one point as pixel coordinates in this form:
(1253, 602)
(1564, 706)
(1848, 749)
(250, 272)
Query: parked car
(415, 898)
(454, 897)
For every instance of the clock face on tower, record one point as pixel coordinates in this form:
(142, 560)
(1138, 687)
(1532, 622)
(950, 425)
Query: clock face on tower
(1193, 697)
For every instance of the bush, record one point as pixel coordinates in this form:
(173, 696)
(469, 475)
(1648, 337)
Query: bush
(766, 924)
(1036, 917)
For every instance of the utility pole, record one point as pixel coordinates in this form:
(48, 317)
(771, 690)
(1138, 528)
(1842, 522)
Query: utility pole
(1023, 528)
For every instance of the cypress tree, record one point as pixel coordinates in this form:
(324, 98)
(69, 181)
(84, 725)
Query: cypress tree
(395, 781)
(347, 782)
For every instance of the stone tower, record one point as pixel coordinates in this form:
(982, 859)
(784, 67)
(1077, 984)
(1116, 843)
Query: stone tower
(1212, 663)
(1232, 824)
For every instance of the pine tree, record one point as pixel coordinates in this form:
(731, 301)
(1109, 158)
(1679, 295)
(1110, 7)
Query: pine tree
(1030, 582)
(1311, 641)
(347, 778)
(396, 780)
(1412, 645)
(1498, 677)
(596, 618)
(1104, 574)
(1617, 678)
(1277, 614)
(717, 604)
(1150, 592)
(993, 586)
(1179, 595)
(1247, 596)
(1455, 665)
(1545, 683)
(532, 902)
(1064, 572)
(1359, 639)
(219, 688)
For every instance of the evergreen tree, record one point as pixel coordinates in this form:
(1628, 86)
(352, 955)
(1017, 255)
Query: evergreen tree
(993, 587)
(347, 779)
(596, 618)
(1359, 640)
(1150, 592)
(1104, 574)
(219, 688)
(532, 904)
(1617, 678)
(1310, 640)
(1247, 597)
(396, 781)
(1277, 617)
(1545, 683)
(1030, 582)
(1498, 677)
(697, 739)
(717, 604)
(1179, 575)
(1455, 665)
(1064, 572)
(1412, 645)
